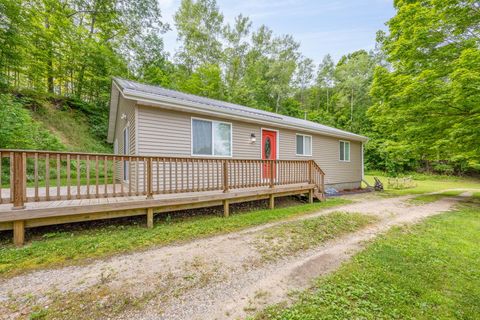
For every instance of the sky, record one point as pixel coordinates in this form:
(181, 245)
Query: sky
(335, 27)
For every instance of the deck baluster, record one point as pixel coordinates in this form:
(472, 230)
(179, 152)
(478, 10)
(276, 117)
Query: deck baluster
(59, 194)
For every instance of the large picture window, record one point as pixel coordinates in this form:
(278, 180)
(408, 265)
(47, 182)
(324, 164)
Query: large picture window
(211, 138)
(344, 151)
(304, 145)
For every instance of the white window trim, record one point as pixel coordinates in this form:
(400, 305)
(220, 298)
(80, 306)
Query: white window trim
(311, 145)
(213, 139)
(349, 150)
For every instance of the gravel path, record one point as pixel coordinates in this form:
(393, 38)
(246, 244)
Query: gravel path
(222, 277)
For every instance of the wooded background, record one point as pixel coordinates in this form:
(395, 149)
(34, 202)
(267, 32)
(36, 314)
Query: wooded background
(417, 95)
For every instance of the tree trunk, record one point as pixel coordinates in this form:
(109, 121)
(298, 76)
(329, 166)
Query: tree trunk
(81, 73)
(277, 106)
(327, 100)
(49, 56)
(351, 109)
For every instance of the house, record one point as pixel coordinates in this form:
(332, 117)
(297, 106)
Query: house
(176, 151)
(154, 121)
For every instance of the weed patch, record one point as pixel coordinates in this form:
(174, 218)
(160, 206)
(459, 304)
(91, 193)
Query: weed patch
(292, 237)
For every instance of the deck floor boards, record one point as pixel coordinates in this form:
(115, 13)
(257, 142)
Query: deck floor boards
(7, 207)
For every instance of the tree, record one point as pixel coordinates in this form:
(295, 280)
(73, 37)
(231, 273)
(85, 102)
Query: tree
(325, 78)
(199, 25)
(235, 55)
(427, 105)
(353, 76)
(304, 77)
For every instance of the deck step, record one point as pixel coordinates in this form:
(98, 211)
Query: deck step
(319, 195)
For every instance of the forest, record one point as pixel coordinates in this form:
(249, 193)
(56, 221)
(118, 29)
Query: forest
(416, 95)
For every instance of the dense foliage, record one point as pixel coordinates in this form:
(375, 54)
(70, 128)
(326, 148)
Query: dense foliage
(416, 95)
(19, 130)
(426, 108)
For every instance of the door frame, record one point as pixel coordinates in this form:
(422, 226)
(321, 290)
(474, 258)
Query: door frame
(277, 149)
(278, 142)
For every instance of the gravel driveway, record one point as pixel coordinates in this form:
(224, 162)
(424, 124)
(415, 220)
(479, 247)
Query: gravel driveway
(222, 277)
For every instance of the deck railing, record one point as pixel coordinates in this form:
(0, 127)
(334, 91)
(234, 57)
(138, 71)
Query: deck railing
(30, 176)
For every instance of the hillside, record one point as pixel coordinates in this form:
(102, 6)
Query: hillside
(34, 121)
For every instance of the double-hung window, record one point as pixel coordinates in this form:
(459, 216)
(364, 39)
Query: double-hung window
(344, 151)
(211, 138)
(304, 145)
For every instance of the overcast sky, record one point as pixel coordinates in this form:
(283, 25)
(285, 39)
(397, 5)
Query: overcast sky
(321, 26)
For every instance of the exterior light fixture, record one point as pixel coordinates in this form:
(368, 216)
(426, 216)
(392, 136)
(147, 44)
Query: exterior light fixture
(253, 138)
(124, 116)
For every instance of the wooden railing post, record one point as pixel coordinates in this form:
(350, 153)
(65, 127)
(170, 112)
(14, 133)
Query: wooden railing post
(272, 175)
(310, 171)
(18, 181)
(149, 179)
(225, 175)
(323, 185)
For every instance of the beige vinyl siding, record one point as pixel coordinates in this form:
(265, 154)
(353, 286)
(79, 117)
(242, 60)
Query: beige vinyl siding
(126, 107)
(326, 152)
(163, 132)
(168, 133)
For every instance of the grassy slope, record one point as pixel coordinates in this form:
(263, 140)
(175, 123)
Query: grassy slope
(71, 247)
(72, 127)
(427, 271)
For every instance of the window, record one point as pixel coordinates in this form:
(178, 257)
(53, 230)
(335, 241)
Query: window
(211, 138)
(126, 147)
(304, 145)
(344, 151)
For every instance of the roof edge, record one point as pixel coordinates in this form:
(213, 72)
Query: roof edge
(185, 104)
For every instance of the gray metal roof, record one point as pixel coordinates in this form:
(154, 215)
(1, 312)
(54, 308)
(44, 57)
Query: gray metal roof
(158, 93)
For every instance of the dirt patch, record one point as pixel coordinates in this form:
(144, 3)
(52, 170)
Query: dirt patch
(214, 278)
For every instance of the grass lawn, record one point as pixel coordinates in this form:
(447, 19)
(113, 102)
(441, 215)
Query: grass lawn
(426, 183)
(428, 198)
(426, 271)
(61, 248)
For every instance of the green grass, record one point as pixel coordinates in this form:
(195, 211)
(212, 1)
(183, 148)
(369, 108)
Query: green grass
(427, 183)
(62, 248)
(290, 238)
(72, 127)
(427, 271)
(429, 198)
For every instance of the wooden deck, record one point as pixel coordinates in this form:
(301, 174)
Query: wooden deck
(156, 184)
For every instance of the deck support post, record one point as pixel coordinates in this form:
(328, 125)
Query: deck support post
(18, 233)
(150, 218)
(271, 201)
(310, 196)
(226, 208)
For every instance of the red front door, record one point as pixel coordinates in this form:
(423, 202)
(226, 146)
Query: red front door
(269, 152)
